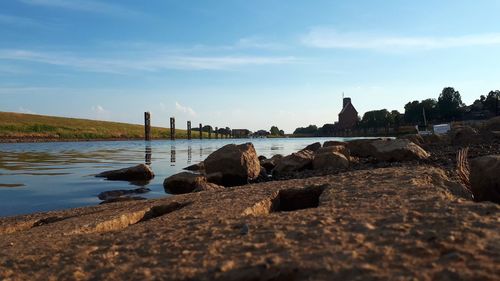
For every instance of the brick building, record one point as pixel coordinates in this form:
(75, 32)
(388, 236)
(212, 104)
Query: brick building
(348, 117)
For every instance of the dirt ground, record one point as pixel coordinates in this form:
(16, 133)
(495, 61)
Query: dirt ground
(397, 223)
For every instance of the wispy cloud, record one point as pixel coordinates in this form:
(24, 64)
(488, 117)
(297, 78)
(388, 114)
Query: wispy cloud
(19, 21)
(89, 6)
(147, 63)
(25, 110)
(98, 109)
(184, 109)
(332, 39)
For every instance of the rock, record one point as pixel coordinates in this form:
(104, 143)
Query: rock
(184, 182)
(107, 195)
(295, 162)
(398, 150)
(262, 157)
(236, 163)
(269, 164)
(313, 147)
(485, 179)
(335, 148)
(139, 172)
(196, 167)
(360, 148)
(330, 160)
(122, 199)
(464, 136)
(334, 143)
(208, 187)
(415, 138)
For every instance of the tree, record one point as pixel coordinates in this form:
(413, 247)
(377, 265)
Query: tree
(414, 111)
(309, 130)
(491, 102)
(275, 131)
(207, 128)
(449, 104)
(376, 119)
(326, 130)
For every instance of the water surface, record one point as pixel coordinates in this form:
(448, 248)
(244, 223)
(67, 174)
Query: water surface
(50, 176)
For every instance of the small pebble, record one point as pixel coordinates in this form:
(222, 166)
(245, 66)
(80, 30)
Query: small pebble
(244, 229)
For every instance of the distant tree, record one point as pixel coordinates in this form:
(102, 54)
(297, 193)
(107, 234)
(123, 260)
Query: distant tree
(309, 130)
(491, 102)
(395, 119)
(326, 130)
(207, 128)
(414, 111)
(282, 133)
(376, 119)
(449, 104)
(275, 131)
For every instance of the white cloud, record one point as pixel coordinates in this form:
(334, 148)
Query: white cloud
(89, 6)
(152, 62)
(332, 39)
(98, 109)
(185, 109)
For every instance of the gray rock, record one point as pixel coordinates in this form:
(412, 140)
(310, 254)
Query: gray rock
(139, 172)
(313, 147)
(237, 164)
(295, 162)
(184, 182)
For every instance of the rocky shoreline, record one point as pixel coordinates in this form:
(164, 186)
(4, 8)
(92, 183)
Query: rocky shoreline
(378, 209)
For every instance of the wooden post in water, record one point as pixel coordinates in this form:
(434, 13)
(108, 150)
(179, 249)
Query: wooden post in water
(216, 133)
(210, 132)
(201, 132)
(172, 128)
(189, 129)
(147, 126)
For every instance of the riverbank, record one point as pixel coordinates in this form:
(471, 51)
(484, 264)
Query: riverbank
(377, 219)
(18, 127)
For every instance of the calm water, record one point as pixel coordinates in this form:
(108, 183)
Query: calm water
(49, 176)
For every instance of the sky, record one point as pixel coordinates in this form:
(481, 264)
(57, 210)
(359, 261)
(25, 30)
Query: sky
(239, 63)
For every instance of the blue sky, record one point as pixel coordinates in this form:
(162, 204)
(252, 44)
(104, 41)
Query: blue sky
(242, 64)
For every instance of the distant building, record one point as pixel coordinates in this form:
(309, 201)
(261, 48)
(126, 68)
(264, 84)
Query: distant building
(348, 117)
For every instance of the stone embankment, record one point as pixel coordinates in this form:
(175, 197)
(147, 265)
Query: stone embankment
(363, 210)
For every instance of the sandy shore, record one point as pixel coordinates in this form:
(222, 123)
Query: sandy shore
(401, 223)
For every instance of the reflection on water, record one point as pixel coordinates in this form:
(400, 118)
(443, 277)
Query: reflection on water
(148, 153)
(48, 176)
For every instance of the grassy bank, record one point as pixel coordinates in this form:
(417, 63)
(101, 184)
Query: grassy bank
(30, 127)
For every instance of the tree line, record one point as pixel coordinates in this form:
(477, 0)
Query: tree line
(447, 107)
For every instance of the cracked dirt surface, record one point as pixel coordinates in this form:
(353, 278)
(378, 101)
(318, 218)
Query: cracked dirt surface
(398, 223)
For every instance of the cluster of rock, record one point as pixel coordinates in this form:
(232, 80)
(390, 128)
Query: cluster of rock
(234, 165)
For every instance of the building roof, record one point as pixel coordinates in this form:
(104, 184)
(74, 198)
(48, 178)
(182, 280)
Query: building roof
(346, 107)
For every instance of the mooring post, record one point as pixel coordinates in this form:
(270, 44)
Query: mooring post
(172, 128)
(189, 129)
(147, 126)
(216, 133)
(201, 132)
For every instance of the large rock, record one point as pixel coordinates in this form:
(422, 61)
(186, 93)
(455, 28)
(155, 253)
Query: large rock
(360, 148)
(136, 173)
(485, 178)
(294, 162)
(334, 148)
(236, 163)
(270, 163)
(330, 160)
(333, 143)
(398, 150)
(313, 147)
(464, 136)
(196, 167)
(186, 182)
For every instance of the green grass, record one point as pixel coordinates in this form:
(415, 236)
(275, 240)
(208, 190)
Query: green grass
(29, 126)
